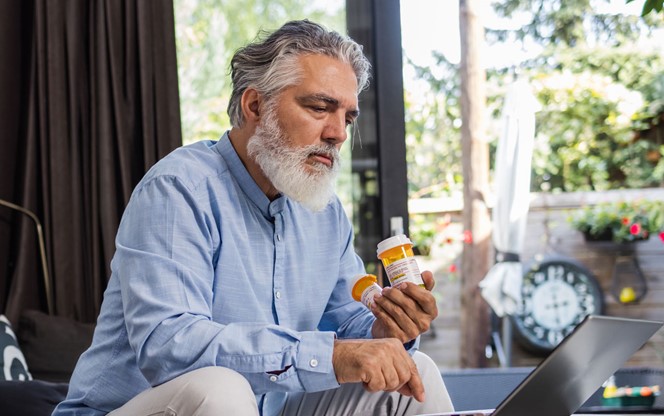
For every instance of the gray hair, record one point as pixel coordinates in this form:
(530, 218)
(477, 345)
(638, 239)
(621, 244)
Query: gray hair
(271, 65)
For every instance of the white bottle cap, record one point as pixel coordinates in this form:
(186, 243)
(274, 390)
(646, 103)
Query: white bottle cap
(395, 241)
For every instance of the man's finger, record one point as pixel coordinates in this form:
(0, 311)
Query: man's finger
(405, 390)
(392, 329)
(395, 313)
(429, 281)
(401, 301)
(415, 385)
(422, 298)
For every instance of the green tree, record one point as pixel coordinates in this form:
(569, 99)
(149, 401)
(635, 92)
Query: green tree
(570, 23)
(598, 103)
(601, 86)
(433, 121)
(650, 5)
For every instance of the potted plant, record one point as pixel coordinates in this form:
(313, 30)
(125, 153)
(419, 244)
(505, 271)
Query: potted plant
(620, 222)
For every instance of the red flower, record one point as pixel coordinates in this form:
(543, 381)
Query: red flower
(661, 236)
(635, 229)
(453, 268)
(625, 221)
(468, 237)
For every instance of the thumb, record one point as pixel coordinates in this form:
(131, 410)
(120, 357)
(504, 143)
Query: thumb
(429, 281)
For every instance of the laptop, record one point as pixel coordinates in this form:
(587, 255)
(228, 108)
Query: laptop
(575, 369)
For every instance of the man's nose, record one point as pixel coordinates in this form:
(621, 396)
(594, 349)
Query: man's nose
(335, 131)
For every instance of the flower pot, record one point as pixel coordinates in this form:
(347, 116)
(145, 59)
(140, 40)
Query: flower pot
(606, 235)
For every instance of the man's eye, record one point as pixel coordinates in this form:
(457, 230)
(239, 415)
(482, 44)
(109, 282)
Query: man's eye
(318, 109)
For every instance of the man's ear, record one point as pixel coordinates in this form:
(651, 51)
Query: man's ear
(251, 103)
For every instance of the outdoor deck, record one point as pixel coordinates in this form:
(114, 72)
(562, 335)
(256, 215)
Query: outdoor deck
(548, 217)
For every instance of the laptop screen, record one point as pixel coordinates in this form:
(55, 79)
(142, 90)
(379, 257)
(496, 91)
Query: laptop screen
(578, 366)
(575, 369)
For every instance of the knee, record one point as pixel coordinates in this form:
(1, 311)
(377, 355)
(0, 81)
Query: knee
(437, 394)
(219, 390)
(426, 366)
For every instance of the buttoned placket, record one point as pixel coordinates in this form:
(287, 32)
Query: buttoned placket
(279, 262)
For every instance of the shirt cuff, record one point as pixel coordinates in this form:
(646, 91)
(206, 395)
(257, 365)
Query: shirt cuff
(314, 361)
(412, 346)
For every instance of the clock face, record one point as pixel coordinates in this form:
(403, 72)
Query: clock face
(556, 296)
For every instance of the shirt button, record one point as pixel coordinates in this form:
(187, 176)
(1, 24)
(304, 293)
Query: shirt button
(279, 237)
(273, 378)
(278, 295)
(313, 362)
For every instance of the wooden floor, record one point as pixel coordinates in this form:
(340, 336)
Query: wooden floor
(548, 232)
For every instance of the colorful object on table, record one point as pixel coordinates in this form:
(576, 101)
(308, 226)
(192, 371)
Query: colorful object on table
(614, 396)
(609, 387)
(627, 295)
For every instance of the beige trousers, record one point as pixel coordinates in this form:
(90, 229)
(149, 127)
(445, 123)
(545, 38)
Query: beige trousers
(219, 391)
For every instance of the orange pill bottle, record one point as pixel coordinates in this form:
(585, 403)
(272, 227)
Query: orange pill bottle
(398, 258)
(365, 287)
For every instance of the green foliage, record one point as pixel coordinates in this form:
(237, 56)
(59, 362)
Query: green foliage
(570, 23)
(550, 22)
(422, 230)
(601, 92)
(436, 236)
(433, 120)
(598, 106)
(650, 5)
(586, 138)
(621, 221)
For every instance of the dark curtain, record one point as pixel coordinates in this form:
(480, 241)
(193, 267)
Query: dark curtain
(88, 102)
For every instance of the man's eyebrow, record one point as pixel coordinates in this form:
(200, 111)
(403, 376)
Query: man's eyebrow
(308, 99)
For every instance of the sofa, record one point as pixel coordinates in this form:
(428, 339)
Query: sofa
(38, 356)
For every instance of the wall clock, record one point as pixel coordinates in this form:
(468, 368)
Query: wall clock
(557, 293)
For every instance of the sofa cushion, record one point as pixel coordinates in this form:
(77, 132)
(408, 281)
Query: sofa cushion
(30, 398)
(12, 361)
(52, 344)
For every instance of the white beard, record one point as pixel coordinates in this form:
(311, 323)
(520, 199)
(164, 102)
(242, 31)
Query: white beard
(287, 168)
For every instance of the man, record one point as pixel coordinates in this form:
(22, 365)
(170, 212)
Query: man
(229, 292)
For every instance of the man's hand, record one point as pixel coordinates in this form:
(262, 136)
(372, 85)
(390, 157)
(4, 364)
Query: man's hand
(405, 311)
(380, 364)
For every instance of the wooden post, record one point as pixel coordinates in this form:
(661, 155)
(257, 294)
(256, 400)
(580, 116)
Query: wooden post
(476, 259)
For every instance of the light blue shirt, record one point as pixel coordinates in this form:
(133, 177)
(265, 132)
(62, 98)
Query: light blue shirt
(209, 272)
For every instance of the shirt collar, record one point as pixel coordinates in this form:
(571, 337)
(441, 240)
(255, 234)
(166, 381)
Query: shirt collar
(248, 185)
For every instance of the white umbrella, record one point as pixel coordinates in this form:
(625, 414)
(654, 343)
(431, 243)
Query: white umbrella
(501, 287)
